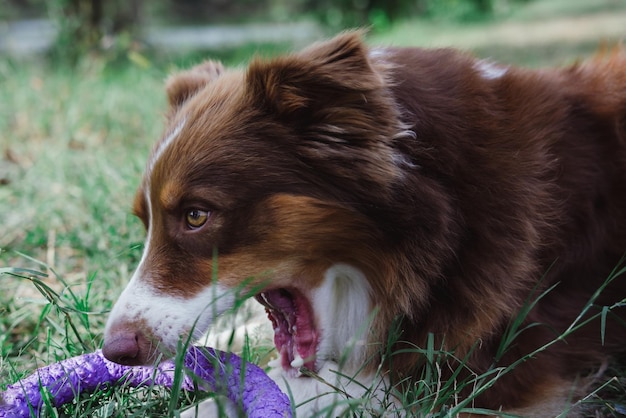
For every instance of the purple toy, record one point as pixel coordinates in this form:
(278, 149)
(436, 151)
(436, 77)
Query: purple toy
(250, 387)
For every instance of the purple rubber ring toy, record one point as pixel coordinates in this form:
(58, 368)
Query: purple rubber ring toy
(250, 387)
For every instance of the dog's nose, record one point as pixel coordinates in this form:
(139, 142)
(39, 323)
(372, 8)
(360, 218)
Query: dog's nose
(124, 348)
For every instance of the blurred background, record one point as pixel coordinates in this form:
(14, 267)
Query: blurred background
(526, 31)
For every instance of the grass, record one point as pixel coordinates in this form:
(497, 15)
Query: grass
(74, 143)
(535, 33)
(65, 201)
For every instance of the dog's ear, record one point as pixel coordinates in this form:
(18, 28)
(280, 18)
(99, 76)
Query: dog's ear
(338, 69)
(183, 85)
(341, 115)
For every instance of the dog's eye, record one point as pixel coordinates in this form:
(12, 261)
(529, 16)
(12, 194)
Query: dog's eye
(196, 218)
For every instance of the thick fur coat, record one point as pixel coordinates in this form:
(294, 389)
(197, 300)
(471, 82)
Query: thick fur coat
(414, 190)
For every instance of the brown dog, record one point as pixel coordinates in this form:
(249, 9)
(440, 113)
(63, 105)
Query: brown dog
(357, 188)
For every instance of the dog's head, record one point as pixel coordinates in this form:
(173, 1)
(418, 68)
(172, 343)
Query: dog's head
(265, 182)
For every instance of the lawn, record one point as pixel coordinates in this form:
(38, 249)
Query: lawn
(74, 143)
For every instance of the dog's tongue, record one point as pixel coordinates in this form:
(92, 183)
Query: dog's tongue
(295, 335)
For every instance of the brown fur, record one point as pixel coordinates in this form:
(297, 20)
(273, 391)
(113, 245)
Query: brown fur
(458, 196)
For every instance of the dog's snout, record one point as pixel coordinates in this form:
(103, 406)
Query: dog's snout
(125, 348)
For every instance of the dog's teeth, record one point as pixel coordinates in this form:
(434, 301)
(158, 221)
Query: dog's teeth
(297, 362)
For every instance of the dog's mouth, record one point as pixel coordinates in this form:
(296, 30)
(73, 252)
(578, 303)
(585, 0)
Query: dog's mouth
(295, 334)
